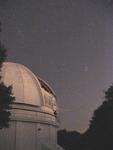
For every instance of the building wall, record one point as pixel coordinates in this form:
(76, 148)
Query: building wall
(26, 136)
(7, 138)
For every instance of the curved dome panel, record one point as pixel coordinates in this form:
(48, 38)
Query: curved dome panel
(26, 87)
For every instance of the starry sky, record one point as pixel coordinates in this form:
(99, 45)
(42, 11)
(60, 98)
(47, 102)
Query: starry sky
(68, 43)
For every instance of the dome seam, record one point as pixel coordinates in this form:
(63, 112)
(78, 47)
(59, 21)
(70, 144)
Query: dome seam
(21, 75)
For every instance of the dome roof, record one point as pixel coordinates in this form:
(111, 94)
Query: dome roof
(25, 85)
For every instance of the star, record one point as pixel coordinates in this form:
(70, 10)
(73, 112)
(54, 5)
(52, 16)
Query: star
(86, 68)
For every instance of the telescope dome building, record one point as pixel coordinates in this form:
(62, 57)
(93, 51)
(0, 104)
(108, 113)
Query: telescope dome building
(34, 113)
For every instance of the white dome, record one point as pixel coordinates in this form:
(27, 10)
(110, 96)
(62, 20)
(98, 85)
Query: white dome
(26, 86)
(34, 115)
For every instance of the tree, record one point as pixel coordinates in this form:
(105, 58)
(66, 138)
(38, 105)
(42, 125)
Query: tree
(100, 131)
(99, 135)
(69, 140)
(6, 97)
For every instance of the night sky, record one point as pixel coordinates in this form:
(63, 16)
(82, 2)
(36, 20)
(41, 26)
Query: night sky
(68, 43)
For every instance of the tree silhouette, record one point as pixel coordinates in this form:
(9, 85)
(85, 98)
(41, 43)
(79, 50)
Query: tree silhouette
(99, 135)
(69, 140)
(100, 132)
(6, 97)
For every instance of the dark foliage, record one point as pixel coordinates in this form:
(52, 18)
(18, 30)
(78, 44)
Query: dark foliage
(3, 54)
(100, 131)
(6, 97)
(99, 135)
(69, 140)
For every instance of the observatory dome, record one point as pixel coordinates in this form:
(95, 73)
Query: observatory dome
(27, 88)
(34, 117)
